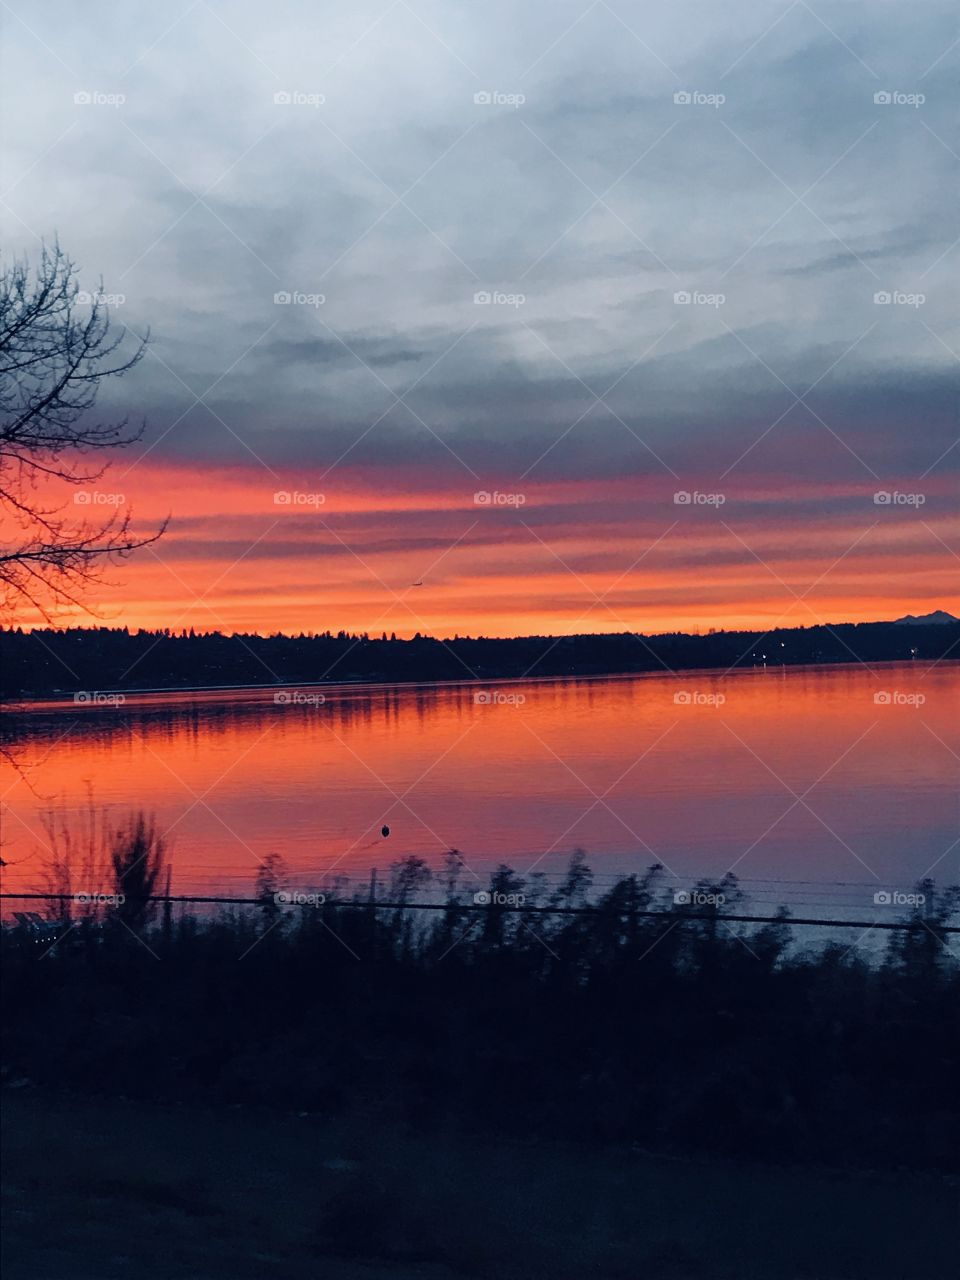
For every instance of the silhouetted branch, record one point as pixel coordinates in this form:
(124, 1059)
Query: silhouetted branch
(56, 348)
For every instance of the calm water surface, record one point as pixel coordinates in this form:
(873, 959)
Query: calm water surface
(797, 775)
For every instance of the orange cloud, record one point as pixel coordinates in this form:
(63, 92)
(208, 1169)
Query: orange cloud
(254, 551)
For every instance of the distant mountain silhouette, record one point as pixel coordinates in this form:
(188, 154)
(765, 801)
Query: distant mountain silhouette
(938, 618)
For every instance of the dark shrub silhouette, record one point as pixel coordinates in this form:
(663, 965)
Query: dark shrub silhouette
(558, 1016)
(138, 859)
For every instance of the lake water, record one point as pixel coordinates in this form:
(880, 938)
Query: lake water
(805, 782)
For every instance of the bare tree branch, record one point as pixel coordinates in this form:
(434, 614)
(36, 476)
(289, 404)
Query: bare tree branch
(57, 346)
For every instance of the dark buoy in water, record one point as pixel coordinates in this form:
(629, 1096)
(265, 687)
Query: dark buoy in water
(384, 831)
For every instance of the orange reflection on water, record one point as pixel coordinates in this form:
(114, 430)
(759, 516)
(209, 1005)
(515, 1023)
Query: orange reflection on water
(793, 774)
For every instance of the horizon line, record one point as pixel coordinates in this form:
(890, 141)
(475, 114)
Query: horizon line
(393, 638)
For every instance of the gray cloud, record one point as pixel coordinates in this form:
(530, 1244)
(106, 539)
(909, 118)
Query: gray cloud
(598, 199)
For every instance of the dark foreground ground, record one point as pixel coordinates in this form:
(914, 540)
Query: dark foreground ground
(103, 1190)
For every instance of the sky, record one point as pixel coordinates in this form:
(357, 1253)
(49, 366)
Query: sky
(509, 319)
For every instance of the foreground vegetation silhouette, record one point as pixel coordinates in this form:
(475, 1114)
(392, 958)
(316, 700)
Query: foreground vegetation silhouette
(683, 1032)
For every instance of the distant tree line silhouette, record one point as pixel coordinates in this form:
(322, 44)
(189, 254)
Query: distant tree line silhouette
(45, 662)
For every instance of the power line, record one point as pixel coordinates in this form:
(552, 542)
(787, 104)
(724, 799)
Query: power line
(678, 916)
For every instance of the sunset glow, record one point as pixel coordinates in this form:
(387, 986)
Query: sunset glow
(589, 555)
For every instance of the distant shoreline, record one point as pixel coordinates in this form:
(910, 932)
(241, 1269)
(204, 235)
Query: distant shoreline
(89, 664)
